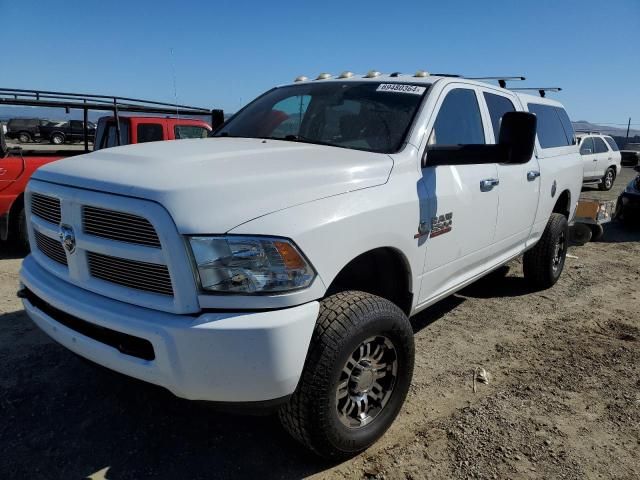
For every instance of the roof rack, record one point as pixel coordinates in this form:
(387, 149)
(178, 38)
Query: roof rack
(502, 81)
(541, 90)
(588, 132)
(86, 102)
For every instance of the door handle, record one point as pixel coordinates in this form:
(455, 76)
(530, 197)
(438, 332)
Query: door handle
(532, 175)
(488, 184)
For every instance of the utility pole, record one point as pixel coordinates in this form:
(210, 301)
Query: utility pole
(628, 126)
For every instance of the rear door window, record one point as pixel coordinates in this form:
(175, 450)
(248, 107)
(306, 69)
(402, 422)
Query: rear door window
(554, 126)
(498, 106)
(601, 147)
(612, 143)
(150, 132)
(587, 147)
(459, 121)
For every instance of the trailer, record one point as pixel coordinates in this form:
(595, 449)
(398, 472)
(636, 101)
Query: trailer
(591, 215)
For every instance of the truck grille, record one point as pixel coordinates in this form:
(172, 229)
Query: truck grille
(145, 276)
(51, 248)
(120, 226)
(47, 208)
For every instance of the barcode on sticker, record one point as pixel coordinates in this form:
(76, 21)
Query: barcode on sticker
(400, 88)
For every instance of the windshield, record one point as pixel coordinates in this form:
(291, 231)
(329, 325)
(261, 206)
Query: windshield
(367, 116)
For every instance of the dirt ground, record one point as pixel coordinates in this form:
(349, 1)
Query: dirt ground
(563, 398)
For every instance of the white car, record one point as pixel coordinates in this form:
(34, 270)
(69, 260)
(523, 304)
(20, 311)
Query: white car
(601, 159)
(277, 264)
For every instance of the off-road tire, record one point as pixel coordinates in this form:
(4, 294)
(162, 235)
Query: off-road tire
(22, 237)
(538, 263)
(24, 137)
(57, 139)
(608, 180)
(345, 320)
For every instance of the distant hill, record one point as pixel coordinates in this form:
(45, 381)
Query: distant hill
(616, 131)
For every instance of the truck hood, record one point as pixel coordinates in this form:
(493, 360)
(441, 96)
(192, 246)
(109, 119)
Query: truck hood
(212, 185)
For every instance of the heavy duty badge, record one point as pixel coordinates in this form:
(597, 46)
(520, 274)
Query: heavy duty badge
(441, 224)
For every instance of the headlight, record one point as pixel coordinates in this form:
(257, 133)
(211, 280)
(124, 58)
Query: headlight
(237, 264)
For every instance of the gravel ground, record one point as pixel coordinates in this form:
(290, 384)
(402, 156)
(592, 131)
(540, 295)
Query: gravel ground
(562, 400)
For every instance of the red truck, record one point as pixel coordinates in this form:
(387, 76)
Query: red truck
(17, 164)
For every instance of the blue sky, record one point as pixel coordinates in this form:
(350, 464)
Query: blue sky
(227, 52)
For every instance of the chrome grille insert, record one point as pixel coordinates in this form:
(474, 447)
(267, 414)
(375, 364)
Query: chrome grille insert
(51, 248)
(119, 226)
(145, 276)
(47, 208)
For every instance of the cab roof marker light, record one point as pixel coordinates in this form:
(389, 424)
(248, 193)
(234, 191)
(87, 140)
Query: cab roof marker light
(301, 78)
(346, 74)
(421, 74)
(323, 76)
(372, 74)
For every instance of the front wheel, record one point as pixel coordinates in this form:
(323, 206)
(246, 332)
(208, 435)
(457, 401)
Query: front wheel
(356, 376)
(57, 139)
(22, 237)
(544, 263)
(606, 183)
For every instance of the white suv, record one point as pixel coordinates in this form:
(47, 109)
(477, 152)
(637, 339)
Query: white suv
(601, 159)
(277, 264)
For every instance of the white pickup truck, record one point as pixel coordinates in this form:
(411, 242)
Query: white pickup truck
(277, 263)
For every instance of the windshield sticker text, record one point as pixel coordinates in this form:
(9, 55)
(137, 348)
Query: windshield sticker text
(400, 88)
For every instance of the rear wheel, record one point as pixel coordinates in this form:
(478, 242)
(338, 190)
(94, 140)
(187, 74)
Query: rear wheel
(607, 181)
(543, 264)
(356, 376)
(24, 137)
(57, 139)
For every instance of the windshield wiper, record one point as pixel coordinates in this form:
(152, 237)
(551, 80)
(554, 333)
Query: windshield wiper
(302, 139)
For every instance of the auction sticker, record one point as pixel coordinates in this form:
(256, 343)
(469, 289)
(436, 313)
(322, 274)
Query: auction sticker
(400, 88)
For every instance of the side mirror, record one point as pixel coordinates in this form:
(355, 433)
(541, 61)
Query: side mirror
(217, 119)
(586, 151)
(518, 136)
(515, 145)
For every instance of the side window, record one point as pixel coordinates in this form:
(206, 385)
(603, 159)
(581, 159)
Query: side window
(612, 143)
(190, 131)
(551, 132)
(498, 106)
(458, 121)
(601, 147)
(587, 147)
(149, 132)
(567, 125)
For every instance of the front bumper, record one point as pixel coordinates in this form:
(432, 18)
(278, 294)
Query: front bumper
(221, 357)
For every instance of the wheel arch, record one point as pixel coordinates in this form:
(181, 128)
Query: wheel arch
(383, 271)
(563, 204)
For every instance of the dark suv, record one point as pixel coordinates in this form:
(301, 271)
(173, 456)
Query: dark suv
(71, 131)
(25, 129)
